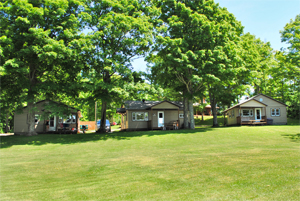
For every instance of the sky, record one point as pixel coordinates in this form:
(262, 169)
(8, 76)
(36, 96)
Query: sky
(262, 18)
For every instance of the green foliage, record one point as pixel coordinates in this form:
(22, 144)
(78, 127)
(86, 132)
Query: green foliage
(198, 47)
(290, 66)
(118, 31)
(39, 49)
(291, 35)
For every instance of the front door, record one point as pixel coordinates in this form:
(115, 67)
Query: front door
(257, 113)
(52, 123)
(160, 119)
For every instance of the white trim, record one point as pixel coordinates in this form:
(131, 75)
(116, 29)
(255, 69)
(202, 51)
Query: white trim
(256, 113)
(276, 110)
(134, 116)
(250, 113)
(160, 121)
(52, 128)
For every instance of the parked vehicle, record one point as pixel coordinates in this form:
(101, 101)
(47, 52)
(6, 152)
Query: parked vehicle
(107, 125)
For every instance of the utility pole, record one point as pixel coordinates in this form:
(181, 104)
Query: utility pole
(95, 115)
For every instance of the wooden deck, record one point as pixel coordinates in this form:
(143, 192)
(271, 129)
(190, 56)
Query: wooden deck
(253, 123)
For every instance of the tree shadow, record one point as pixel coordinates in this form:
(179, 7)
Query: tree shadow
(293, 137)
(42, 139)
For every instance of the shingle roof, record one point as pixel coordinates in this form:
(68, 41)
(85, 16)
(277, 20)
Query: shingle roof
(145, 105)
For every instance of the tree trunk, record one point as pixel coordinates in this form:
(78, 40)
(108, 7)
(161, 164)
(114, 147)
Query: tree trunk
(103, 117)
(106, 79)
(185, 120)
(214, 109)
(6, 122)
(202, 108)
(30, 103)
(31, 118)
(191, 111)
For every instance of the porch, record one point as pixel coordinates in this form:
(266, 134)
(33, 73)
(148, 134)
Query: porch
(253, 122)
(252, 116)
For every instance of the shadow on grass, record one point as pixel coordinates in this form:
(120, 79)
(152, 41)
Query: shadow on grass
(293, 137)
(42, 139)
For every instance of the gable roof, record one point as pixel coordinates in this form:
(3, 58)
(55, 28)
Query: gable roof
(270, 98)
(253, 98)
(146, 105)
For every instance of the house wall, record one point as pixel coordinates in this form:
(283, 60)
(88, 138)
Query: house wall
(20, 123)
(282, 119)
(137, 124)
(231, 119)
(20, 120)
(169, 115)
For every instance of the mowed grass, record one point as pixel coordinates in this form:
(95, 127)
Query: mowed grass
(208, 120)
(231, 163)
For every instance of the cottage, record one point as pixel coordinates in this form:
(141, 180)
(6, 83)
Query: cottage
(147, 115)
(257, 110)
(47, 118)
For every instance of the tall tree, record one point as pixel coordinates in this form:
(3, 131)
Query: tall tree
(289, 61)
(119, 31)
(196, 41)
(38, 41)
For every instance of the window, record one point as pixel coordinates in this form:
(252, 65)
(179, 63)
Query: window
(36, 118)
(181, 115)
(275, 112)
(232, 113)
(247, 113)
(71, 120)
(140, 116)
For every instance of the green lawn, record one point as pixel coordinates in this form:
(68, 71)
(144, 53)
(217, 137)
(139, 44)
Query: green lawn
(231, 163)
(208, 120)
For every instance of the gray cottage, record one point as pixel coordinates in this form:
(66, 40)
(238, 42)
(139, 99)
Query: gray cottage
(149, 115)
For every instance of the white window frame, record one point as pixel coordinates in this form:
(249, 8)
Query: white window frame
(134, 116)
(70, 120)
(250, 113)
(36, 119)
(276, 112)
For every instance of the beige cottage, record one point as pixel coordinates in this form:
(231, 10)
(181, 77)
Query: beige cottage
(47, 120)
(257, 110)
(147, 115)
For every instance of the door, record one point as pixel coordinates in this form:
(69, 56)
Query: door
(52, 123)
(257, 113)
(161, 118)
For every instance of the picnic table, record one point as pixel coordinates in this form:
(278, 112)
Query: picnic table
(257, 122)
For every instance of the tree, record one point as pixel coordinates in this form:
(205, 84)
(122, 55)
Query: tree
(198, 40)
(289, 63)
(39, 42)
(119, 31)
(291, 35)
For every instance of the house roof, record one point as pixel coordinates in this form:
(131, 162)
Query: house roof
(145, 105)
(253, 98)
